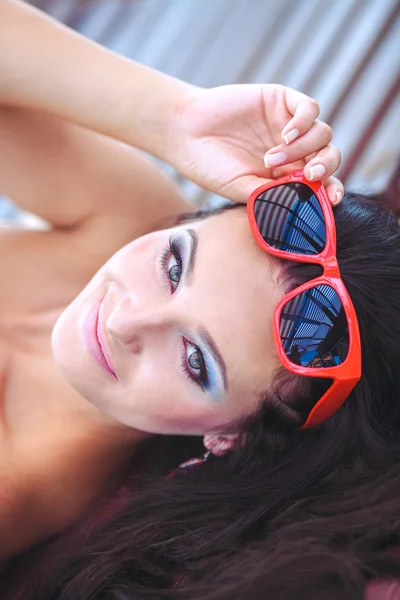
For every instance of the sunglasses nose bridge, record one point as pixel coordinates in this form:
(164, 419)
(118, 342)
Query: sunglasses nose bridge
(331, 267)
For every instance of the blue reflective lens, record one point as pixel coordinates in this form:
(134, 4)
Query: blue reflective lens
(290, 218)
(314, 328)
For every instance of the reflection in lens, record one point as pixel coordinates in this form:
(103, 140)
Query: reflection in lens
(289, 218)
(314, 329)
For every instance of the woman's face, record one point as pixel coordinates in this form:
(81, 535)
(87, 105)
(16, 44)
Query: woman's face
(184, 317)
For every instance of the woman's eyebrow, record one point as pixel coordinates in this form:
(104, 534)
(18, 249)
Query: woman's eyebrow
(194, 242)
(202, 333)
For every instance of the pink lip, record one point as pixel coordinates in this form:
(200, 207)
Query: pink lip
(94, 339)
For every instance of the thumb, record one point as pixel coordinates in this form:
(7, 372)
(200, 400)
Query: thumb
(240, 189)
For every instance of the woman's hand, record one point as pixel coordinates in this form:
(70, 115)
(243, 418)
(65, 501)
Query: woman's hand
(222, 136)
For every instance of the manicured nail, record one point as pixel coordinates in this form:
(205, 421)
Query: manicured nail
(273, 160)
(317, 172)
(339, 197)
(291, 135)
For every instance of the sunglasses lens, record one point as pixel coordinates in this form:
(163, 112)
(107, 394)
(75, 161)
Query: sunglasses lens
(314, 328)
(290, 218)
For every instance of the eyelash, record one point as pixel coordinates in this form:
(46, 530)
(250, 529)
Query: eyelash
(174, 250)
(201, 379)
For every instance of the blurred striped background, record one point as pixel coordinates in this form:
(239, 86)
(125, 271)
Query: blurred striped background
(345, 53)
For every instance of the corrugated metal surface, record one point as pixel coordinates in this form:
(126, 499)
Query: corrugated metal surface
(345, 53)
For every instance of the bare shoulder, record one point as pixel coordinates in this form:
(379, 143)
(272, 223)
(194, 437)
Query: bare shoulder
(39, 269)
(46, 269)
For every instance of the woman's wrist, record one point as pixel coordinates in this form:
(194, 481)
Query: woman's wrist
(46, 66)
(149, 112)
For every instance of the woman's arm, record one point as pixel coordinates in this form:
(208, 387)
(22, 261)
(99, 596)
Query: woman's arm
(73, 177)
(54, 86)
(216, 137)
(47, 66)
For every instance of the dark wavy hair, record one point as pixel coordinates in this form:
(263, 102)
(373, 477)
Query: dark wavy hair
(288, 515)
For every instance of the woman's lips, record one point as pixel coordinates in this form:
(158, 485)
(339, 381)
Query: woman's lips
(102, 340)
(95, 341)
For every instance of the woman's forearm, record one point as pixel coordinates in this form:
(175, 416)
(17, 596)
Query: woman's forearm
(47, 66)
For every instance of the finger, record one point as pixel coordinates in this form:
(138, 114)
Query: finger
(335, 190)
(318, 137)
(304, 110)
(323, 164)
(319, 166)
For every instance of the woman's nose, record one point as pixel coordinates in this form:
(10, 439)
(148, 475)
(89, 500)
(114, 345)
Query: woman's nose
(130, 324)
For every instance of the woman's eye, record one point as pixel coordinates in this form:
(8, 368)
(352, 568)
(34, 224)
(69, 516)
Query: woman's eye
(174, 270)
(194, 365)
(172, 264)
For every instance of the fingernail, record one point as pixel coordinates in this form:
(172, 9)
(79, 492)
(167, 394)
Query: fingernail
(273, 160)
(339, 197)
(317, 172)
(291, 135)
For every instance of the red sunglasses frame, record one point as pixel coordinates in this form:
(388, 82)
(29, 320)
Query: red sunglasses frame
(346, 375)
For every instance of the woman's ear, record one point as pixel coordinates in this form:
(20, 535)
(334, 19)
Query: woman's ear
(219, 443)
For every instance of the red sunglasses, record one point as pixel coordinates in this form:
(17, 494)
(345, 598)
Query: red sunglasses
(315, 326)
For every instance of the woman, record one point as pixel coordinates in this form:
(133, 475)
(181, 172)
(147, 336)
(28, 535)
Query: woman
(275, 511)
(59, 112)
